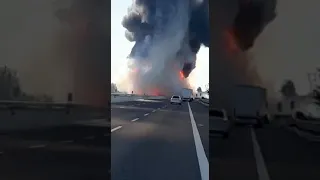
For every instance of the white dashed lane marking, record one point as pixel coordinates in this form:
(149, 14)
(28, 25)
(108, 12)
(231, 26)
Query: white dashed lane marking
(146, 114)
(116, 128)
(136, 119)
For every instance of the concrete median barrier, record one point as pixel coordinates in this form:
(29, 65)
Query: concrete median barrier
(205, 102)
(157, 97)
(116, 98)
(312, 126)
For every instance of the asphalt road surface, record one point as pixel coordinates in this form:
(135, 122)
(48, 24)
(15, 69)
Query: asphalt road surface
(154, 140)
(80, 151)
(270, 153)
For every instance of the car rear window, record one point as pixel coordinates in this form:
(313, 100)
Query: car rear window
(176, 97)
(216, 113)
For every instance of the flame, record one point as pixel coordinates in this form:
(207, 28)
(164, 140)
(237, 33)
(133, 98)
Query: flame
(231, 42)
(181, 75)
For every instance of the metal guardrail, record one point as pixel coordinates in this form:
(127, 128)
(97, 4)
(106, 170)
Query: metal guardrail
(57, 106)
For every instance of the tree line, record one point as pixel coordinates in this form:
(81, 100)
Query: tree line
(10, 88)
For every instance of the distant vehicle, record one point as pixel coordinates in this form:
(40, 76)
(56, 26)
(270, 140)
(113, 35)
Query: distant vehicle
(307, 112)
(175, 99)
(219, 122)
(249, 105)
(187, 94)
(306, 117)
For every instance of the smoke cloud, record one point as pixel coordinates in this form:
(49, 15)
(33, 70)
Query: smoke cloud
(29, 37)
(90, 36)
(289, 47)
(236, 26)
(58, 46)
(167, 35)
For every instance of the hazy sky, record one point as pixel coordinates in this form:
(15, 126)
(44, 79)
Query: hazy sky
(28, 36)
(289, 46)
(121, 47)
(287, 49)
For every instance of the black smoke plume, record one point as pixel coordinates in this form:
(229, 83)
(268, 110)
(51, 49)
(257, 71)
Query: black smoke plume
(167, 33)
(235, 27)
(153, 24)
(252, 18)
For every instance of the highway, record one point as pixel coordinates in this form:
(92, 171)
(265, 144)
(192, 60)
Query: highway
(274, 152)
(76, 151)
(152, 139)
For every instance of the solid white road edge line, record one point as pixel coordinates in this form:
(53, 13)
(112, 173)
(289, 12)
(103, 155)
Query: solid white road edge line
(136, 119)
(202, 158)
(116, 128)
(261, 167)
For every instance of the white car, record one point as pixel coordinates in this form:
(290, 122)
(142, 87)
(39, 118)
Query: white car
(175, 99)
(307, 117)
(219, 122)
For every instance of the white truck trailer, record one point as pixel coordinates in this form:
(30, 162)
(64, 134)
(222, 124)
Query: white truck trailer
(249, 104)
(187, 94)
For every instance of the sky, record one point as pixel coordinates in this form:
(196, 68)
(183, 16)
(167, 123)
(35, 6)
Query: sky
(289, 46)
(121, 47)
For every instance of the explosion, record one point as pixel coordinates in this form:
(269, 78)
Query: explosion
(236, 26)
(167, 35)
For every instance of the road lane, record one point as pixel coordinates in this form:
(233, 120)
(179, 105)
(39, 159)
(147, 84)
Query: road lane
(201, 116)
(124, 115)
(289, 156)
(233, 158)
(284, 155)
(156, 146)
(124, 112)
(69, 152)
